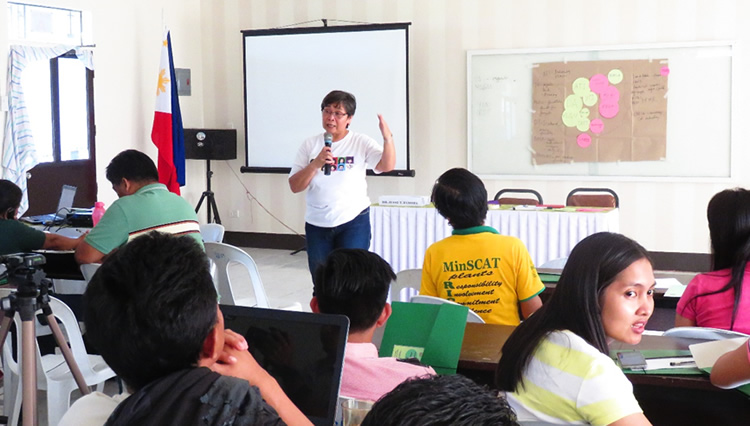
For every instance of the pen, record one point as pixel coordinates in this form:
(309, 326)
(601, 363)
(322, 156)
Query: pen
(680, 363)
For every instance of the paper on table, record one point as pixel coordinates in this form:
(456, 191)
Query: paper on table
(707, 353)
(675, 291)
(667, 282)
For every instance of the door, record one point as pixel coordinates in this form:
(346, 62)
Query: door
(67, 145)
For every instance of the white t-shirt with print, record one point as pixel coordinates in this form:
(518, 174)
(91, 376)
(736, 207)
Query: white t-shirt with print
(338, 198)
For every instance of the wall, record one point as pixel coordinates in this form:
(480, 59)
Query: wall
(126, 58)
(206, 38)
(662, 216)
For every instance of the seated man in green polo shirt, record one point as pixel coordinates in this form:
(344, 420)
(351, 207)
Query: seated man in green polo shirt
(144, 205)
(477, 267)
(17, 237)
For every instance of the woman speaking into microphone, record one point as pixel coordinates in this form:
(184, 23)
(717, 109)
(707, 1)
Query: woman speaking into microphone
(338, 208)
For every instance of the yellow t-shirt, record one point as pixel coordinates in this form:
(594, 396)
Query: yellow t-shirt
(487, 272)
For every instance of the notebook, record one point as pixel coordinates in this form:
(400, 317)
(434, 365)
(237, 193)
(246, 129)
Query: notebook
(303, 351)
(64, 206)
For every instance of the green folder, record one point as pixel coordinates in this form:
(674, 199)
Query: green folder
(432, 333)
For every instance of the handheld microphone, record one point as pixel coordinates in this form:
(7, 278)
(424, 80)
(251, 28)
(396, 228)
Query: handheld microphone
(328, 138)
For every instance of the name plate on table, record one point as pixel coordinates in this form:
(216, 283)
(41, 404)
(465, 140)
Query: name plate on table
(404, 200)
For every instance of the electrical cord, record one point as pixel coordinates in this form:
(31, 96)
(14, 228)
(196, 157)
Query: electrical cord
(252, 197)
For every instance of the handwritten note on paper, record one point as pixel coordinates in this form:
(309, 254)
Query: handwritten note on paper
(599, 111)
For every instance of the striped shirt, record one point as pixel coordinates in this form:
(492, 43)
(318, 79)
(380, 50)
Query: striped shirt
(569, 381)
(151, 208)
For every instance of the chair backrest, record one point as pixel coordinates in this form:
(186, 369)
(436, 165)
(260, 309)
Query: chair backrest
(592, 197)
(516, 200)
(407, 284)
(223, 256)
(558, 263)
(88, 270)
(212, 232)
(71, 331)
(431, 300)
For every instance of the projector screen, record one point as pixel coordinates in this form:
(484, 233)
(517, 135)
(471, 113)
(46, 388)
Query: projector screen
(288, 72)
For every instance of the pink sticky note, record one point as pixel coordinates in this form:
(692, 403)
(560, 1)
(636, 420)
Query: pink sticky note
(598, 83)
(609, 95)
(583, 140)
(596, 125)
(608, 110)
(664, 71)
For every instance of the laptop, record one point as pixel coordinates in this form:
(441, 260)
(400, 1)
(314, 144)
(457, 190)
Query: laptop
(64, 206)
(303, 351)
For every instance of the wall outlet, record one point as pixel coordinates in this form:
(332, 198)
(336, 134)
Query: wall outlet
(234, 214)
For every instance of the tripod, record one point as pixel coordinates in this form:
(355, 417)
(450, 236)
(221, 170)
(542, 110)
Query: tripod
(26, 301)
(208, 195)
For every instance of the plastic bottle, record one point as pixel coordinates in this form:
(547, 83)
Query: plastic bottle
(98, 212)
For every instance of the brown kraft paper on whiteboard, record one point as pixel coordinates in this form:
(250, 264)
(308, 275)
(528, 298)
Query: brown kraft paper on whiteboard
(599, 111)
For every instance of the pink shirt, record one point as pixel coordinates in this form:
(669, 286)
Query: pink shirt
(368, 377)
(716, 310)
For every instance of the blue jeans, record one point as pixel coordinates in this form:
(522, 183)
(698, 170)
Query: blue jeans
(322, 241)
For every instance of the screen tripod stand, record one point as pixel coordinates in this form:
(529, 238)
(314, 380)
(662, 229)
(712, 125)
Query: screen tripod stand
(32, 294)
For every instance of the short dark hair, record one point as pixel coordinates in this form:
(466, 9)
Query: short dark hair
(593, 265)
(338, 97)
(150, 307)
(460, 196)
(132, 165)
(10, 198)
(355, 283)
(450, 400)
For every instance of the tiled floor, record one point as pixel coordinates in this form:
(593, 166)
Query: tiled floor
(285, 276)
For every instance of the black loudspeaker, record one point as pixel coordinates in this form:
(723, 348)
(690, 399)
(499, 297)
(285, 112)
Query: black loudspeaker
(210, 144)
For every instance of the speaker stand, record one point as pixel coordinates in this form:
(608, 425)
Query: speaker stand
(208, 195)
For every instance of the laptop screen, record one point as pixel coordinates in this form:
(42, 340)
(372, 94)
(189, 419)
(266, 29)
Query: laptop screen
(303, 351)
(66, 200)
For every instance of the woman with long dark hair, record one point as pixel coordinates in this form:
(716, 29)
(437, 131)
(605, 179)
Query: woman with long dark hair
(713, 299)
(555, 366)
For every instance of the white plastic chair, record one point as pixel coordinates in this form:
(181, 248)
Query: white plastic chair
(88, 270)
(212, 232)
(558, 263)
(406, 286)
(223, 256)
(53, 373)
(431, 300)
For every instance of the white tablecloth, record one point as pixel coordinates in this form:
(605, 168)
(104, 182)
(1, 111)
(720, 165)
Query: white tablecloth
(401, 235)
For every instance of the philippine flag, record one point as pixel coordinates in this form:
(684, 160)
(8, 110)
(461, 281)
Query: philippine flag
(167, 133)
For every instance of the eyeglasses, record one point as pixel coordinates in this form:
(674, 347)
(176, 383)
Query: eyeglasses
(336, 114)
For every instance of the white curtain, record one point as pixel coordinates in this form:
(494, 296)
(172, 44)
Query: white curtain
(19, 153)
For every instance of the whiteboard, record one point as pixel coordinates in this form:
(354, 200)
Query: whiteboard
(699, 112)
(289, 71)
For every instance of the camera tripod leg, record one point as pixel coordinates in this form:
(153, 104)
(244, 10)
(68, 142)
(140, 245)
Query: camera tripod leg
(28, 370)
(27, 309)
(65, 349)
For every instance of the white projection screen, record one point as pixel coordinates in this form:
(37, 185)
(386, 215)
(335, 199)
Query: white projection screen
(288, 72)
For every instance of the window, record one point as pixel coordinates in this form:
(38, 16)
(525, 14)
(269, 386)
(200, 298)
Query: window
(58, 92)
(41, 24)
